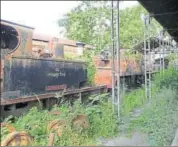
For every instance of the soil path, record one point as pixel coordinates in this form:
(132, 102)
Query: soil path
(137, 139)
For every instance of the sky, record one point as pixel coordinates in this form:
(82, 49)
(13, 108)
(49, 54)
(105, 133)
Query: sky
(42, 15)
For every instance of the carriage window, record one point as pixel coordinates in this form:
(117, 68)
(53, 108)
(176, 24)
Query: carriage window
(9, 39)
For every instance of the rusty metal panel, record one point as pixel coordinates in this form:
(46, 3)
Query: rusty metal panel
(30, 75)
(55, 87)
(128, 67)
(24, 35)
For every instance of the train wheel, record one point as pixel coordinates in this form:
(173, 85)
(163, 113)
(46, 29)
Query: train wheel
(17, 139)
(80, 121)
(57, 126)
(9, 127)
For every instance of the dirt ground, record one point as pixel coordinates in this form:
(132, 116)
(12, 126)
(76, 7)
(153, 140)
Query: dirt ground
(137, 139)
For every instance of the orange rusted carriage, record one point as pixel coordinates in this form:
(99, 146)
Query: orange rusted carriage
(128, 66)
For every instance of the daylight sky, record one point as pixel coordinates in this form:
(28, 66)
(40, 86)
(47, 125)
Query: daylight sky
(42, 15)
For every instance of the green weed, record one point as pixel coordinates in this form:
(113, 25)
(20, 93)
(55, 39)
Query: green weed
(102, 123)
(132, 100)
(160, 118)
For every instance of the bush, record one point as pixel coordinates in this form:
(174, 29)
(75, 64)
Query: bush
(102, 123)
(160, 119)
(132, 100)
(167, 79)
(88, 58)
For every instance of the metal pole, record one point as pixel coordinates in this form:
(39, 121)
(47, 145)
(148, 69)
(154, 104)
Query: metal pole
(145, 49)
(161, 52)
(113, 52)
(160, 47)
(149, 54)
(165, 45)
(118, 59)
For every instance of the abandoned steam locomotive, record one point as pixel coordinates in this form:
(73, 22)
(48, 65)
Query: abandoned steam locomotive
(23, 74)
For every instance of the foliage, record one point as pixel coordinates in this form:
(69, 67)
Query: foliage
(160, 120)
(136, 56)
(91, 69)
(87, 57)
(90, 22)
(167, 79)
(160, 116)
(136, 98)
(132, 100)
(102, 123)
(171, 57)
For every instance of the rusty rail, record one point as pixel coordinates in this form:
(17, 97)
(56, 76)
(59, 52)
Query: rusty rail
(8, 101)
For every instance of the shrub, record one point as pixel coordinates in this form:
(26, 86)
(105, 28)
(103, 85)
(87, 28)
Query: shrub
(160, 119)
(167, 79)
(102, 123)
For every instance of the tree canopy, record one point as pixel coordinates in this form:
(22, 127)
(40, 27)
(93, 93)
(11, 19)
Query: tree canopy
(89, 22)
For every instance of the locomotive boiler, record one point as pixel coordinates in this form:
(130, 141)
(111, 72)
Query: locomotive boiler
(23, 74)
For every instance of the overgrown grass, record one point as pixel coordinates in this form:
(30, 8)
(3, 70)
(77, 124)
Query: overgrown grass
(136, 98)
(102, 123)
(132, 100)
(160, 117)
(167, 79)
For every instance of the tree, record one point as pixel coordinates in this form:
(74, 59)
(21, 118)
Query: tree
(90, 22)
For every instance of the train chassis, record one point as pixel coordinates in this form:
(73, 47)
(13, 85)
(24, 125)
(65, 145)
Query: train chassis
(18, 106)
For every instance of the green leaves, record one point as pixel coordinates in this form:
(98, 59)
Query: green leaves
(90, 23)
(160, 115)
(167, 79)
(160, 119)
(101, 123)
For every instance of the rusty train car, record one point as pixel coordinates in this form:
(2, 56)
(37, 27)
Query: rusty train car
(131, 70)
(22, 74)
(132, 65)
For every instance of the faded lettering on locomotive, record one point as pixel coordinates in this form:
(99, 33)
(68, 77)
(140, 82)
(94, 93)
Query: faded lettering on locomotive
(57, 74)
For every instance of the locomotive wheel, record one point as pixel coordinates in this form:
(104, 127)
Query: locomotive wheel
(80, 121)
(58, 126)
(9, 127)
(17, 139)
(51, 139)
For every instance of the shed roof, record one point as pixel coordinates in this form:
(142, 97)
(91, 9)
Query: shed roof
(154, 43)
(165, 12)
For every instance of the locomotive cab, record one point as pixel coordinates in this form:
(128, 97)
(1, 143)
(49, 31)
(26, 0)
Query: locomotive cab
(24, 74)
